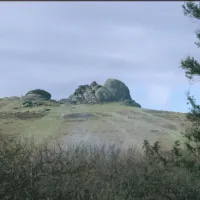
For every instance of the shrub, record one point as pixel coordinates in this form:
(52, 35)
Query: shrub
(83, 172)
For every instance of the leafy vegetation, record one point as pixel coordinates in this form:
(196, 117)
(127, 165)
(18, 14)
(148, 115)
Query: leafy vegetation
(30, 172)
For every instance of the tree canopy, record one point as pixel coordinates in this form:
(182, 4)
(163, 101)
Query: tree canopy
(190, 64)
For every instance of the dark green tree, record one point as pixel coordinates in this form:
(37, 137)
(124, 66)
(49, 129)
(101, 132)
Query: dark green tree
(192, 72)
(190, 64)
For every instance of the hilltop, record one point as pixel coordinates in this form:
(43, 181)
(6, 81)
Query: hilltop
(113, 90)
(98, 114)
(110, 122)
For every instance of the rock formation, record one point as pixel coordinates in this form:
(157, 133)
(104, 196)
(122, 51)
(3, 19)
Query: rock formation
(112, 91)
(35, 97)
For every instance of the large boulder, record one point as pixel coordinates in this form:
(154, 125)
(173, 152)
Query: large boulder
(35, 97)
(118, 89)
(103, 95)
(39, 93)
(112, 91)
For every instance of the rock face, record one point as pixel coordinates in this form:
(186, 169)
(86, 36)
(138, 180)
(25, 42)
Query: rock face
(35, 97)
(118, 89)
(112, 91)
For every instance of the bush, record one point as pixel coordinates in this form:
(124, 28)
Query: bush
(35, 172)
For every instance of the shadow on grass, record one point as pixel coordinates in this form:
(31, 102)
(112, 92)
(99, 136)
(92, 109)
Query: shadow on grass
(22, 115)
(83, 172)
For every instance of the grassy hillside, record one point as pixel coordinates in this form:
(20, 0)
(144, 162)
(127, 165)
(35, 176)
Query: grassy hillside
(33, 172)
(110, 123)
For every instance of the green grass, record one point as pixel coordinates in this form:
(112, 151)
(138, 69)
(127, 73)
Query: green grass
(112, 119)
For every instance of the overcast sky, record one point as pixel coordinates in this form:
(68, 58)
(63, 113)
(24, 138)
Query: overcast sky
(58, 46)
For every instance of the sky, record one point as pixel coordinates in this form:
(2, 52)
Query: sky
(57, 46)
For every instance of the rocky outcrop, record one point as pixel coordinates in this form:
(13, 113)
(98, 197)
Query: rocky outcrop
(104, 95)
(112, 91)
(41, 94)
(35, 97)
(64, 101)
(118, 89)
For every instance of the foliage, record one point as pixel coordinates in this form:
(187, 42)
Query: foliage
(192, 70)
(31, 172)
(190, 64)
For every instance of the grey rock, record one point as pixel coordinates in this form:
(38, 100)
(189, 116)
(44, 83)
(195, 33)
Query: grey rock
(118, 89)
(36, 97)
(40, 93)
(103, 95)
(112, 91)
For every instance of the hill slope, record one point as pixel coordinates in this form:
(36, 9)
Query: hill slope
(108, 123)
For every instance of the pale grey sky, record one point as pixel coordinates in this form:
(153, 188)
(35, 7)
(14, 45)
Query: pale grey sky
(57, 46)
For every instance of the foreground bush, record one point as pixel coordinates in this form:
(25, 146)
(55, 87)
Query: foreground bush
(30, 172)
